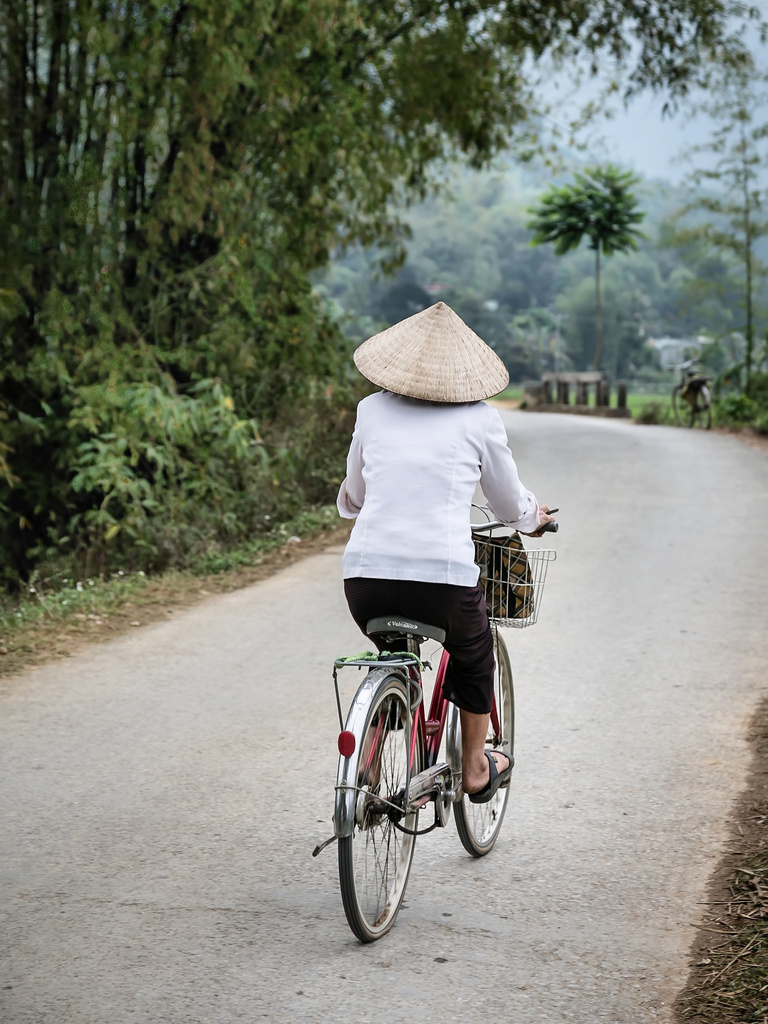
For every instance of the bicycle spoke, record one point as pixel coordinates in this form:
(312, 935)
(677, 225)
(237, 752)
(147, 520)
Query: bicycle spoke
(373, 881)
(478, 825)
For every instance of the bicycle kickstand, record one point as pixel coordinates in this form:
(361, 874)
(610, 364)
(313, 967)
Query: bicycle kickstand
(321, 846)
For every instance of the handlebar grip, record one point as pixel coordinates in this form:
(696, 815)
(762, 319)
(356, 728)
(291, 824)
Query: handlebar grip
(550, 527)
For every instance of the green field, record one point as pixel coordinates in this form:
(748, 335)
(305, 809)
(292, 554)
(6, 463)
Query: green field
(653, 406)
(514, 393)
(661, 405)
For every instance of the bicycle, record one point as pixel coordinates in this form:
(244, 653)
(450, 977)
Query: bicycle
(389, 768)
(691, 398)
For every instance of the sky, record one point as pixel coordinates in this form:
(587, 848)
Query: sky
(643, 140)
(639, 137)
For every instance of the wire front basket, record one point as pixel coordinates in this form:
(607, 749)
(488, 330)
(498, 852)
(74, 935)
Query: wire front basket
(512, 578)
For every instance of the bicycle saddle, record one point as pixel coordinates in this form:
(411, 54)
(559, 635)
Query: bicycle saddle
(402, 624)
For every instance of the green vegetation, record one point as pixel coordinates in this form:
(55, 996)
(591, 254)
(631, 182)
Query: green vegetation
(747, 407)
(735, 212)
(600, 205)
(53, 603)
(60, 595)
(472, 249)
(646, 408)
(725, 219)
(514, 393)
(171, 174)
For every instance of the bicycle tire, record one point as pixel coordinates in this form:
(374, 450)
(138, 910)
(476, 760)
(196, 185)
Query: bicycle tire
(375, 861)
(479, 825)
(679, 405)
(698, 414)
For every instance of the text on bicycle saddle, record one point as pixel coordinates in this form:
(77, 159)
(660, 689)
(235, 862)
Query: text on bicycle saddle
(400, 624)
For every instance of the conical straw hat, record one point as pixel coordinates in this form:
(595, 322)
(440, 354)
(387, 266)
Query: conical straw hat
(433, 355)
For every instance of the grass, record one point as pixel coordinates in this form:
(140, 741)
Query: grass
(651, 408)
(514, 393)
(54, 617)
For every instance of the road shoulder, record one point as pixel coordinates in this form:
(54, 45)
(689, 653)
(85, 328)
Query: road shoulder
(51, 638)
(729, 957)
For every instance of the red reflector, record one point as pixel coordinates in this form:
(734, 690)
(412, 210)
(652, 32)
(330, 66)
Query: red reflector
(346, 743)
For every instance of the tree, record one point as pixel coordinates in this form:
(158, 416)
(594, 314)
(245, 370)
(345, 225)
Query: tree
(600, 205)
(478, 257)
(172, 171)
(738, 206)
(624, 305)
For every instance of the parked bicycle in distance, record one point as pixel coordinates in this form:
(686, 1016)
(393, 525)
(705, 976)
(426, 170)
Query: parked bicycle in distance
(389, 747)
(692, 398)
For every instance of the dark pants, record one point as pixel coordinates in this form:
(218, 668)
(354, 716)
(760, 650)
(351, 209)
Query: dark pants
(460, 611)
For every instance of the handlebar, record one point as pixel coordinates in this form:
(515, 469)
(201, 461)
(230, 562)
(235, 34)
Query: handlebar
(480, 527)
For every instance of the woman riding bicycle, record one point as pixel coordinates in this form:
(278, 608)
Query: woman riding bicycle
(419, 449)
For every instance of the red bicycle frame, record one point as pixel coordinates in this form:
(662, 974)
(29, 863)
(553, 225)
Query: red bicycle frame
(433, 726)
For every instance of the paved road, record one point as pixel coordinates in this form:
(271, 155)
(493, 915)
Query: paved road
(162, 793)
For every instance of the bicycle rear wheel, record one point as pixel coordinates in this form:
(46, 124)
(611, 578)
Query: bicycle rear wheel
(375, 861)
(478, 825)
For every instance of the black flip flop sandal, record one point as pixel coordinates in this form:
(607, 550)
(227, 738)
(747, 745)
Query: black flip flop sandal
(495, 781)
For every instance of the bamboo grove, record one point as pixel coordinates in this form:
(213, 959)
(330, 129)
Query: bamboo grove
(170, 176)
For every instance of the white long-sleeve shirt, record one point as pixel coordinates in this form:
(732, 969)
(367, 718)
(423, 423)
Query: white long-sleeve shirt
(412, 471)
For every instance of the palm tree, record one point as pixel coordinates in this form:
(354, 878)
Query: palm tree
(600, 205)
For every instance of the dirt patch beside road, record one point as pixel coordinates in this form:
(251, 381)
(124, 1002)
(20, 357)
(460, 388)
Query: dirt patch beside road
(729, 961)
(747, 436)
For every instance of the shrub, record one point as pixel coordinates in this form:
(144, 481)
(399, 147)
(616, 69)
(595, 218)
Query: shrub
(146, 475)
(749, 408)
(654, 413)
(757, 389)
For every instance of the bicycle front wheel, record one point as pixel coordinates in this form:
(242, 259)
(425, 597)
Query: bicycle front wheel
(374, 862)
(694, 413)
(681, 407)
(701, 415)
(479, 825)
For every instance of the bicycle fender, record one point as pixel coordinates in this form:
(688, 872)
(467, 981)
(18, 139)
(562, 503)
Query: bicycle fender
(347, 775)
